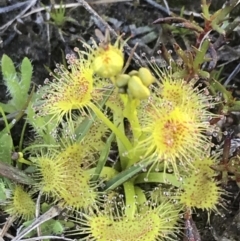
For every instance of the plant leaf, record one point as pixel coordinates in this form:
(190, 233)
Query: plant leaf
(26, 75)
(12, 82)
(8, 69)
(125, 176)
(6, 146)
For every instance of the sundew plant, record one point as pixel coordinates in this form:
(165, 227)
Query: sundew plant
(124, 155)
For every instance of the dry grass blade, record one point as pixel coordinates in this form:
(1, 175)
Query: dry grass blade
(69, 5)
(47, 237)
(14, 174)
(12, 7)
(109, 1)
(5, 26)
(6, 226)
(51, 213)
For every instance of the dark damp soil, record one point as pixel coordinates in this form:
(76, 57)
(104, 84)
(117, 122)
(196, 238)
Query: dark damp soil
(34, 37)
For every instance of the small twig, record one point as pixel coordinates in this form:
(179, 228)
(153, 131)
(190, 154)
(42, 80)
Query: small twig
(9, 117)
(167, 7)
(232, 75)
(129, 58)
(191, 231)
(14, 174)
(5, 26)
(37, 212)
(68, 5)
(109, 1)
(12, 7)
(47, 237)
(48, 37)
(136, 57)
(51, 213)
(188, 13)
(6, 235)
(6, 226)
(48, 8)
(160, 7)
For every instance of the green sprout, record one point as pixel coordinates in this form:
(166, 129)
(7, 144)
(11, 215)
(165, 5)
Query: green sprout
(58, 16)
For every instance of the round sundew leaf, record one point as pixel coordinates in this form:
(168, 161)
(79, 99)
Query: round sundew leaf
(201, 191)
(204, 166)
(51, 172)
(21, 204)
(74, 87)
(172, 136)
(145, 228)
(76, 192)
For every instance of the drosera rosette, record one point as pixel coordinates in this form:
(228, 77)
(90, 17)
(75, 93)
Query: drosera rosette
(84, 151)
(152, 223)
(21, 204)
(200, 189)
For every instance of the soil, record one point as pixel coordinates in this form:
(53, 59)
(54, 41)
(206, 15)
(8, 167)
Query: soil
(41, 41)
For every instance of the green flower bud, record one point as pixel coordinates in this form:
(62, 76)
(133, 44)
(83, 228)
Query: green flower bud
(122, 80)
(146, 77)
(133, 72)
(136, 89)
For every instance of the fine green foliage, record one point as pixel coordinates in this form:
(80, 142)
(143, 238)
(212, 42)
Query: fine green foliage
(105, 139)
(18, 84)
(58, 17)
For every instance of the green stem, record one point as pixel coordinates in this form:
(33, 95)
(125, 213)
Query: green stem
(130, 199)
(111, 126)
(216, 86)
(5, 120)
(118, 121)
(130, 112)
(157, 177)
(22, 136)
(141, 200)
(235, 107)
(39, 146)
(106, 172)
(103, 159)
(124, 176)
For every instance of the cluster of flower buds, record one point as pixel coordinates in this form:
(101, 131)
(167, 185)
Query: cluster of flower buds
(135, 83)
